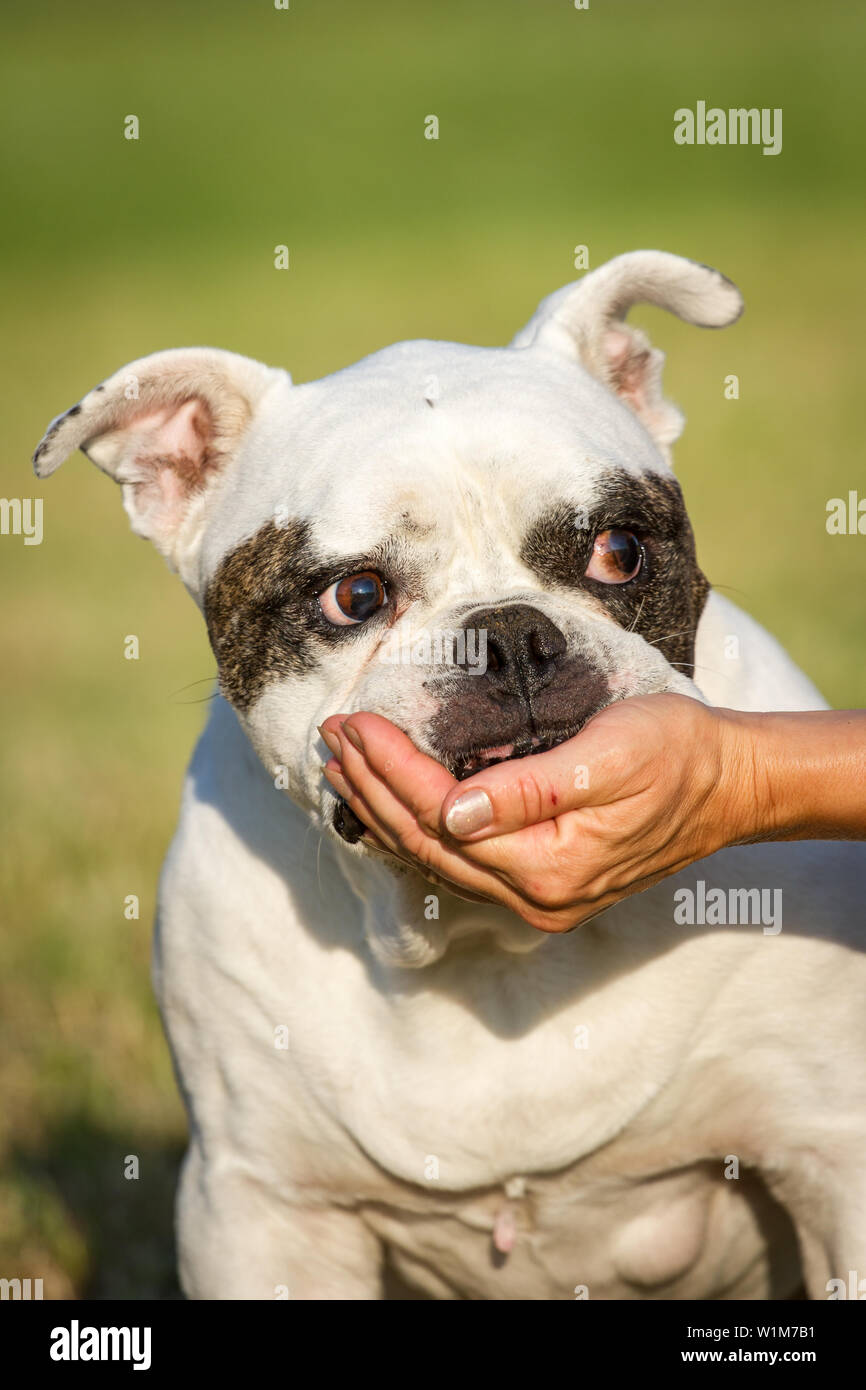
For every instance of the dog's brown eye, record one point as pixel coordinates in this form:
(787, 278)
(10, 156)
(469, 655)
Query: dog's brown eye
(353, 599)
(616, 557)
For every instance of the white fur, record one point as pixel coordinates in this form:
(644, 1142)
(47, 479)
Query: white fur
(431, 1096)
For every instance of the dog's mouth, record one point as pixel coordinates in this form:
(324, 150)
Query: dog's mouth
(463, 765)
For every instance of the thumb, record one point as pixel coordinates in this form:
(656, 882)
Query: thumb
(523, 791)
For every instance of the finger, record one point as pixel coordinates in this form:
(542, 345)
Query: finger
(417, 829)
(461, 877)
(364, 793)
(585, 770)
(375, 832)
(418, 781)
(350, 774)
(405, 789)
(372, 841)
(382, 839)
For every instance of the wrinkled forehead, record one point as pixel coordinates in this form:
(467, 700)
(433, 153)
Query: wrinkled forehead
(425, 436)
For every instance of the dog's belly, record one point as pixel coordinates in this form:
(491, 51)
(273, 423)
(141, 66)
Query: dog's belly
(585, 1235)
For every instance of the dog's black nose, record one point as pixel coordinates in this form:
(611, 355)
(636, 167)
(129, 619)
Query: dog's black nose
(523, 647)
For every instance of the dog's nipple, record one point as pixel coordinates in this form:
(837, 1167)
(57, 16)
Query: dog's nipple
(504, 1230)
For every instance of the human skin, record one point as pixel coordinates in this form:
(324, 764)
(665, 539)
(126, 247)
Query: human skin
(648, 786)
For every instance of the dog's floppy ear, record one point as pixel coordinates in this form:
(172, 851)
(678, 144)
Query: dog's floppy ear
(586, 320)
(165, 427)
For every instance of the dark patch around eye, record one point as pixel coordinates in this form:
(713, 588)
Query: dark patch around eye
(666, 598)
(261, 608)
(256, 622)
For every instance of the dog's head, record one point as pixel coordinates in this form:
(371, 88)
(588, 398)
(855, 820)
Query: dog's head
(485, 545)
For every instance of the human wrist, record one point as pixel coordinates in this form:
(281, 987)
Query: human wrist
(807, 772)
(743, 804)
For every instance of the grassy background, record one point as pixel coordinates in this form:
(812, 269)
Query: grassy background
(305, 127)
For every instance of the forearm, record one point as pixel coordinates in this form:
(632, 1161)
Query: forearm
(808, 775)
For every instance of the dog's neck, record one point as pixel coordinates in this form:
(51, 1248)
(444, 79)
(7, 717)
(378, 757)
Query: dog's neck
(405, 921)
(411, 923)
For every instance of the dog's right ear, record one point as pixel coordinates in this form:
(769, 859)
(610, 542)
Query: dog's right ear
(586, 320)
(165, 427)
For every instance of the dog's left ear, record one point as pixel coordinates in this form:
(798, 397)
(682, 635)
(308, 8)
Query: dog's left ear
(167, 428)
(586, 320)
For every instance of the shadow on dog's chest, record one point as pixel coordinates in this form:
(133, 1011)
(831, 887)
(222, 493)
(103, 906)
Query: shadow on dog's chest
(581, 1235)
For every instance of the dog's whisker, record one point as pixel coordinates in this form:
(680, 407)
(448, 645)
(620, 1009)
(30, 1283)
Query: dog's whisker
(637, 615)
(319, 865)
(307, 833)
(694, 666)
(687, 632)
(205, 680)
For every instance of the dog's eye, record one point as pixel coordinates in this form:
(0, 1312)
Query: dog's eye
(353, 599)
(616, 557)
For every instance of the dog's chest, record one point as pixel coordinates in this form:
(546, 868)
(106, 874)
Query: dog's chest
(583, 1234)
(563, 1160)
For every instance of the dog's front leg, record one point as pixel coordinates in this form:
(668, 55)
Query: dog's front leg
(238, 1240)
(834, 1258)
(824, 1191)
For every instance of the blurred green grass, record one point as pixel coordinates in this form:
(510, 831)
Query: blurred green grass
(305, 127)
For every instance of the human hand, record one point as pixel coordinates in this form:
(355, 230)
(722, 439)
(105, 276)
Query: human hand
(648, 786)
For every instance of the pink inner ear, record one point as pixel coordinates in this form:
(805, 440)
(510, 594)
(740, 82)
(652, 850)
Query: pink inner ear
(172, 454)
(617, 344)
(176, 442)
(181, 431)
(627, 364)
(632, 369)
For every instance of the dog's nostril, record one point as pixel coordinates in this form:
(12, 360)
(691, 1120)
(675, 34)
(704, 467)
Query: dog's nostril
(523, 646)
(546, 644)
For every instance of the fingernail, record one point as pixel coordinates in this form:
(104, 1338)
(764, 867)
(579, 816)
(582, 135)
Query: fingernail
(337, 781)
(354, 737)
(330, 739)
(472, 811)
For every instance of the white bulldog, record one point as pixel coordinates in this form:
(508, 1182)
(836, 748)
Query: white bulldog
(386, 1084)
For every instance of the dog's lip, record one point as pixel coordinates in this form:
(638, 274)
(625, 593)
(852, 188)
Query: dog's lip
(474, 760)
